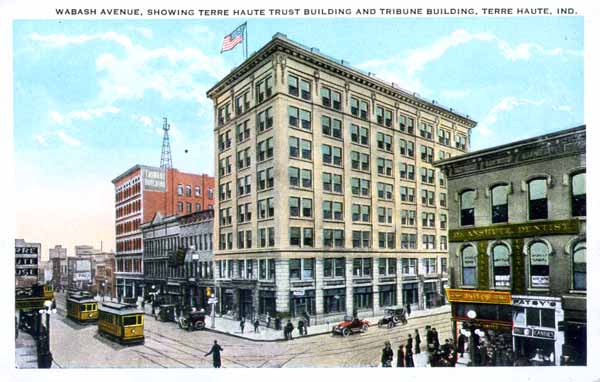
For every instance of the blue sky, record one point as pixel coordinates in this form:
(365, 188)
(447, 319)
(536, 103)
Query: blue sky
(89, 96)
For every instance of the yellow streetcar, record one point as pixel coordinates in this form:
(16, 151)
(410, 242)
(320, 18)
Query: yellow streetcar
(82, 308)
(121, 322)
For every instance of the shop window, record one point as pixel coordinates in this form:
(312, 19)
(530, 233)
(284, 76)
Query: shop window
(469, 265)
(539, 266)
(501, 266)
(467, 208)
(500, 204)
(538, 200)
(578, 195)
(579, 266)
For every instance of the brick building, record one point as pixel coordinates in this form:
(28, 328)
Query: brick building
(140, 193)
(517, 255)
(328, 201)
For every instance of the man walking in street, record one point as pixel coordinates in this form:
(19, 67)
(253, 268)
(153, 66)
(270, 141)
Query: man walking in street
(417, 342)
(408, 310)
(256, 324)
(300, 327)
(242, 323)
(216, 353)
(387, 355)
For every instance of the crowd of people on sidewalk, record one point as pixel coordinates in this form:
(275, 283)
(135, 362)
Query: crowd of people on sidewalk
(438, 356)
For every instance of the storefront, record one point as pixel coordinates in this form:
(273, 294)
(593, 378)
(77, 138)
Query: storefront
(267, 302)
(536, 338)
(410, 294)
(362, 298)
(486, 316)
(302, 301)
(575, 330)
(387, 295)
(430, 292)
(334, 300)
(228, 306)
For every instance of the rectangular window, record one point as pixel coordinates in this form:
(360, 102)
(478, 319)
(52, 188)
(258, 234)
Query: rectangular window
(407, 124)
(295, 237)
(307, 238)
(384, 142)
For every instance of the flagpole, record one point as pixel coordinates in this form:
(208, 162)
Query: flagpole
(246, 39)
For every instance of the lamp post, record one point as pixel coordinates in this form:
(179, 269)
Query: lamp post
(44, 353)
(103, 290)
(471, 335)
(213, 302)
(153, 293)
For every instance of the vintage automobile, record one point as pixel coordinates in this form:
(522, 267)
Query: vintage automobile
(166, 312)
(392, 316)
(350, 325)
(194, 320)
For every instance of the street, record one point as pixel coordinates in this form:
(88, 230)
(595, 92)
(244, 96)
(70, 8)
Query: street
(167, 346)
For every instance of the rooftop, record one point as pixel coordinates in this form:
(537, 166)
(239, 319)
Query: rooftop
(280, 41)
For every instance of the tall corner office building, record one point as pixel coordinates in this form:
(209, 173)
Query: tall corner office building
(328, 200)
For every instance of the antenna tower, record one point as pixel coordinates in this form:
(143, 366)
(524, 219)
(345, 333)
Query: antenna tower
(165, 156)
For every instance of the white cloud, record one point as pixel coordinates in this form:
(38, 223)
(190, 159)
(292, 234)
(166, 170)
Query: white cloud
(61, 40)
(146, 32)
(88, 114)
(170, 71)
(404, 68)
(67, 139)
(506, 104)
(63, 136)
(145, 120)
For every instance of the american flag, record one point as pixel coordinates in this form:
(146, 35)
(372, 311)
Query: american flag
(234, 38)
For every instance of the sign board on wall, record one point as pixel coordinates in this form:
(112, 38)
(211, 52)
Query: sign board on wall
(82, 276)
(83, 266)
(154, 180)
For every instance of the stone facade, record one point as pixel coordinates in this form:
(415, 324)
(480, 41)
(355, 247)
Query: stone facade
(517, 218)
(178, 264)
(293, 123)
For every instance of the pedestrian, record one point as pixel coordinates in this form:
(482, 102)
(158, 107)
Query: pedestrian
(429, 336)
(461, 344)
(268, 320)
(289, 329)
(242, 323)
(436, 340)
(256, 324)
(417, 342)
(400, 359)
(216, 353)
(408, 309)
(409, 341)
(300, 327)
(446, 348)
(387, 355)
(408, 357)
(307, 320)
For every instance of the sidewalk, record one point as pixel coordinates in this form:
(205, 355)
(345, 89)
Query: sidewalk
(25, 351)
(232, 327)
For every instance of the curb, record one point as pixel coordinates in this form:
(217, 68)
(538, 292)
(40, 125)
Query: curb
(207, 329)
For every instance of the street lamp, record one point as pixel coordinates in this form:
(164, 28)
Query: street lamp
(471, 335)
(45, 355)
(153, 294)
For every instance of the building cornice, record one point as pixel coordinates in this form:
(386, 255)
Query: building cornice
(549, 146)
(280, 44)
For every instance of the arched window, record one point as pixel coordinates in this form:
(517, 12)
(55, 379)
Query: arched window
(467, 208)
(500, 203)
(539, 265)
(538, 200)
(501, 265)
(579, 266)
(468, 257)
(578, 194)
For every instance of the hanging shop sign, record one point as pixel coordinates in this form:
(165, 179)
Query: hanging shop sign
(557, 227)
(478, 296)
